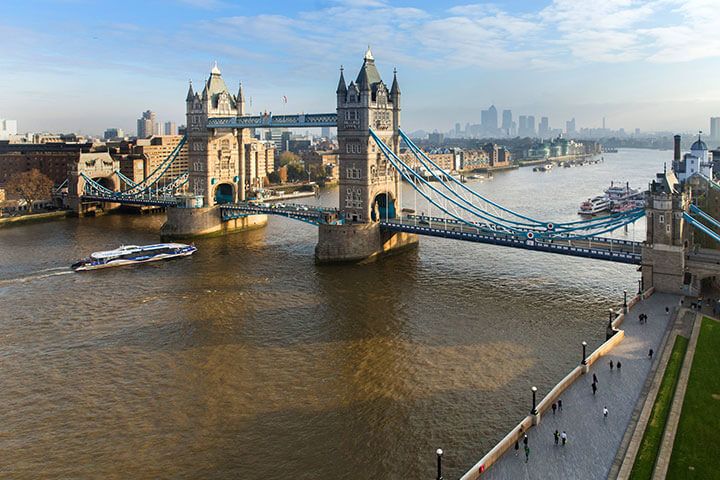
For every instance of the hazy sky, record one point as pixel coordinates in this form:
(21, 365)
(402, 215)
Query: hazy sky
(69, 65)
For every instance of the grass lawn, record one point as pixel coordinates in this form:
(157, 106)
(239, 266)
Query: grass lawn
(645, 460)
(696, 453)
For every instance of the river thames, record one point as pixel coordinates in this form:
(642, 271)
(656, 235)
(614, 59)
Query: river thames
(249, 361)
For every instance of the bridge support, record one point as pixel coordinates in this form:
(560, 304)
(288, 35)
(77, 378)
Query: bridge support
(359, 243)
(199, 222)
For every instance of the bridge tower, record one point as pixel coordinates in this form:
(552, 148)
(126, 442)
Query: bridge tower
(665, 248)
(216, 162)
(369, 185)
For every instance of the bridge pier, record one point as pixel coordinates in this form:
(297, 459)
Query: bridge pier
(359, 243)
(206, 221)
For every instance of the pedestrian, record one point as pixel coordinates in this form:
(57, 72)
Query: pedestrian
(605, 412)
(594, 388)
(557, 437)
(667, 310)
(517, 446)
(595, 380)
(525, 440)
(650, 353)
(564, 437)
(611, 365)
(527, 453)
(619, 365)
(554, 407)
(559, 405)
(640, 318)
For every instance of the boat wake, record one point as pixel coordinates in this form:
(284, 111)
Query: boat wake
(49, 272)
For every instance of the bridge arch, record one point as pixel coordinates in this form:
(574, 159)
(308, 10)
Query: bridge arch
(383, 206)
(224, 193)
(107, 182)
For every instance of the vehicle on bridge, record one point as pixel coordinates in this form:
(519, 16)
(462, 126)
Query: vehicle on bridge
(132, 254)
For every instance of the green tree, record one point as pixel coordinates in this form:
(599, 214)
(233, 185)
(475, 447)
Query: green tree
(287, 158)
(30, 186)
(274, 177)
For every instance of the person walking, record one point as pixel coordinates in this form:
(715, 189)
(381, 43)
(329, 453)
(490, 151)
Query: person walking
(517, 446)
(559, 405)
(605, 412)
(557, 437)
(563, 435)
(619, 365)
(595, 380)
(554, 407)
(594, 388)
(650, 353)
(527, 453)
(667, 310)
(611, 365)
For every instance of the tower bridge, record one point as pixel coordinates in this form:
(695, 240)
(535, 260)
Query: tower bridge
(210, 197)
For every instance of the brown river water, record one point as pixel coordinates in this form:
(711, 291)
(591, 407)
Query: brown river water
(249, 361)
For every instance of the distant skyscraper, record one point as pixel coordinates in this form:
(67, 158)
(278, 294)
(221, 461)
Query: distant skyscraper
(457, 130)
(111, 133)
(325, 132)
(146, 125)
(170, 128)
(526, 127)
(544, 127)
(507, 122)
(715, 129)
(489, 121)
(570, 127)
(7, 128)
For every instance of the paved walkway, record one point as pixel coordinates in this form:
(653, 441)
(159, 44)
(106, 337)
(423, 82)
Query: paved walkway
(593, 440)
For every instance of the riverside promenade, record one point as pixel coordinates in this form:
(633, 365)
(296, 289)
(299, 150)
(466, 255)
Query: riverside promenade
(593, 441)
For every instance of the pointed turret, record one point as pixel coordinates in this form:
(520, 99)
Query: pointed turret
(190, 94)
(342, 87)
(240, 100)
(395, 89)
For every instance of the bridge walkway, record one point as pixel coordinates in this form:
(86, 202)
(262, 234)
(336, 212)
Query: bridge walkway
(602, 248)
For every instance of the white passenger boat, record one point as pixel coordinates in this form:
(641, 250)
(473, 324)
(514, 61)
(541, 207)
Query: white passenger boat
(595, 206)
(132, 254)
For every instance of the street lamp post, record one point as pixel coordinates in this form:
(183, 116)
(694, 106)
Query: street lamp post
(625, 309)
(439, 453)
(534, 392)
(584, 345)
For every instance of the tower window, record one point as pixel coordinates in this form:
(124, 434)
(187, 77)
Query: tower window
(661, 218)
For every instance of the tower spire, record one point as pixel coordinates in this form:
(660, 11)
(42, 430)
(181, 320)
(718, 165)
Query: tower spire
(342, 87)
(190, 94)
(395, 89)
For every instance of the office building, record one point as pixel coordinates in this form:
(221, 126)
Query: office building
(544, 128)
(526, 126)
(507, 122)
(570, 127)
(8, 128)
(113, 133)
(171, 128)
(146, 125)
(715, 129)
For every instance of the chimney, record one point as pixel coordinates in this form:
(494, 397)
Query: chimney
(676, 157)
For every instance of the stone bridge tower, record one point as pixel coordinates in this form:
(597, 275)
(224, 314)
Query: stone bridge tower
(214, 155)
(666, 245)
(216, 163)
(369, 185)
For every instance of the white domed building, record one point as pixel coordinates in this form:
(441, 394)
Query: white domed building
(697, 162)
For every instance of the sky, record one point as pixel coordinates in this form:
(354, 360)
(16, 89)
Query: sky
(86, 65)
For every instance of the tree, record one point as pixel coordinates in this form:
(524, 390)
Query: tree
(287, 158)
(30, 186)
(273, 177)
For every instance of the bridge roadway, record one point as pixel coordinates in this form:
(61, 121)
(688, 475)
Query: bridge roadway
(600, 248)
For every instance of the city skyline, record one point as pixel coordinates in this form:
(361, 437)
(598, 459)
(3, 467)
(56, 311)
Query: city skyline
(540, 60)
